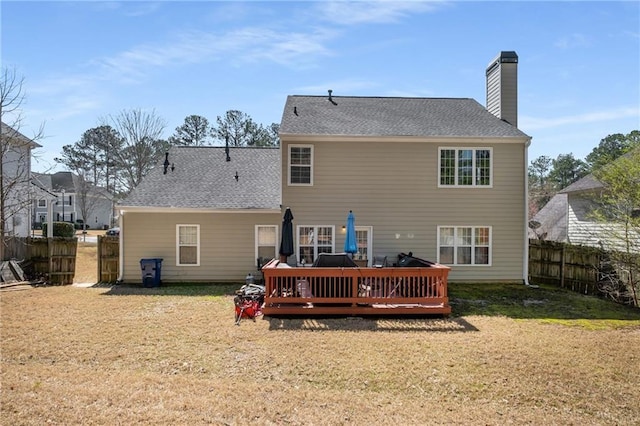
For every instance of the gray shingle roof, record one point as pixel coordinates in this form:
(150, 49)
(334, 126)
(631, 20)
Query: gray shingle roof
(584, 184)
(202, 178)
(553, 220)
(387, 116)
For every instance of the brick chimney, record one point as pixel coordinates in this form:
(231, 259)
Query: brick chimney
(502, 87)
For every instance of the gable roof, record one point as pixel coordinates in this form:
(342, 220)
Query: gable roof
(203, 179)
(589, 182)
(586, 183)
(553, 220)
(13, 134)
(391, 116)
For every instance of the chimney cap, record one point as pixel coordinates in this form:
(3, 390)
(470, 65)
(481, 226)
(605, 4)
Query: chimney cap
(508, 56)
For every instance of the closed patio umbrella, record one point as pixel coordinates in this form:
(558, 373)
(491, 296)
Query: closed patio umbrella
(286, 242)
(350, 243)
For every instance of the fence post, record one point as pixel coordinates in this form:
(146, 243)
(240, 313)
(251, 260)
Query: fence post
(562, 264)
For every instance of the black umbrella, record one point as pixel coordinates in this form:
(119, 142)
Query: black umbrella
(286, 243)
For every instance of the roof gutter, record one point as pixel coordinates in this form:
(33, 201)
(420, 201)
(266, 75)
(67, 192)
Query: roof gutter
(140, 209)
(525, 260)
(121, 251)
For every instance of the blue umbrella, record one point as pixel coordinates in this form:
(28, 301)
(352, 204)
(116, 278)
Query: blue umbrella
(286, 242)
(350, 242)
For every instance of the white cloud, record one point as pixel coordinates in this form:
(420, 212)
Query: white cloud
(375, 12)
(572, 41)
(242, 45)
(533, 123)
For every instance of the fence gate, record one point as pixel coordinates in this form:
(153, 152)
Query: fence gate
(108, 258)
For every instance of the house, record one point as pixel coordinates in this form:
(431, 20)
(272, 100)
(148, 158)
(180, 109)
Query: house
(16, 181)
(568, 217)
(72, 197)
(443, 178)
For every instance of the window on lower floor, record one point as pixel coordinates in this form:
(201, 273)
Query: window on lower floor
(188, 245)
(266, 242)
(313, 240)
(464, 245)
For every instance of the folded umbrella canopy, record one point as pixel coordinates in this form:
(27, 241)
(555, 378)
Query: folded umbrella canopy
(350, 242)
(286, 241)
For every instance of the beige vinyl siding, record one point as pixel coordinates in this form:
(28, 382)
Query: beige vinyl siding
(227, 244)
(502, 92)
(393, 187)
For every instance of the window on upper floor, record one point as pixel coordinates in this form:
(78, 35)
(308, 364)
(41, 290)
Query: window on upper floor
(42, 203)
(188, 245)
(300, 165)
(313, 240)
(465, 167)
(464, 245)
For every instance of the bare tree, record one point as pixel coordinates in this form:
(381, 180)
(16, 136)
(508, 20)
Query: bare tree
(141, 145)
(15, 159)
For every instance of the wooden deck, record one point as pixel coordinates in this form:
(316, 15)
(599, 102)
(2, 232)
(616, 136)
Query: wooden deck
(310, 291)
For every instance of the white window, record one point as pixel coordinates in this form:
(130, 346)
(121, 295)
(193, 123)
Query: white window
(465, 167)
(42, 203)
(464, 245)
(313, 240)
(300, 165)
(188, 245)
(266, 242)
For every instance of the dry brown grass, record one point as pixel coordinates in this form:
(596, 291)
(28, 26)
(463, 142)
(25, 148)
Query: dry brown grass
(86, 262)
(123, 355)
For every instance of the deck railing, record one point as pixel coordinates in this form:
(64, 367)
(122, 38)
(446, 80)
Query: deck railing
(355, 291)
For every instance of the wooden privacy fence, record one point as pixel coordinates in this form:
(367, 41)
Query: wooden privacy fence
(108, 257)
(53, 259)
(565, 265)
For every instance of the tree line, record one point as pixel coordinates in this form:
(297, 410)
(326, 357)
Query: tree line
(118, 153)
(548, 176)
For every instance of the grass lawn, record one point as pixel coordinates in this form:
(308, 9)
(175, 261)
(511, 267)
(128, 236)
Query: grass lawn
(172, 355)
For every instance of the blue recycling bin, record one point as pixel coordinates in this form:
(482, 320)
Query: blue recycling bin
(151, 272)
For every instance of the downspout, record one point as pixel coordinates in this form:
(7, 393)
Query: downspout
(120, 249)
(525, 260)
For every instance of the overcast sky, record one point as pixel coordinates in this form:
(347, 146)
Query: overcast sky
(579, 68)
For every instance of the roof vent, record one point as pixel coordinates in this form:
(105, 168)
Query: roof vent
(166, 162)
(330, 98)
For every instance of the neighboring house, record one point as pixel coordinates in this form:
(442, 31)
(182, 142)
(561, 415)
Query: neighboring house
(568, 217)
(443, 178)
(69, 193)
(16, 181)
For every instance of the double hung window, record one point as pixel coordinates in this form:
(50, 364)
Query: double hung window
(464, 245)
(465, 167)
(266, 240)
(300, 165)
(188, 245)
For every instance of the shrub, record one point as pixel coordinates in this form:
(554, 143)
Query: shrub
(60, 229)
